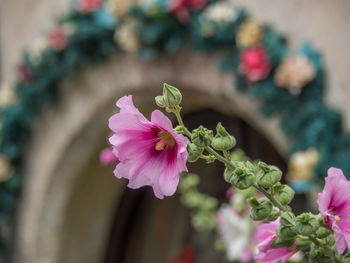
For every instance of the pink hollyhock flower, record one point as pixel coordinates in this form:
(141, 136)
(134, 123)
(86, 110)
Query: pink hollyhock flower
(150, 152)
(266, 233)
(334, 204)
(88, 6)
(107, 157)
(254, 64)
(58, 39)
(181, 8)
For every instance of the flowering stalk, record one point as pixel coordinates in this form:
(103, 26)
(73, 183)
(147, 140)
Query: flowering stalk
(292, 233)
(153, 153)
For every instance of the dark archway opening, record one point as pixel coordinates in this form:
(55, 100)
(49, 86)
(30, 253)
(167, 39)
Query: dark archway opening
(146, 229)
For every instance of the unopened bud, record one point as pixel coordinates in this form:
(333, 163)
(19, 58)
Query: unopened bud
(279, 243)
(260, 209)
(323, 232)
(188, 181)
(306, 224)
(268, 175)
(241, 177)
(160, 101)
(302, 243)
(274, 215)
(171, 95)
(202, 137)
(194, 152)
(286, 230)
(223, 140)
(283, 193)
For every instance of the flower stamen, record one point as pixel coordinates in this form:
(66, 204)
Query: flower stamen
(165, 139)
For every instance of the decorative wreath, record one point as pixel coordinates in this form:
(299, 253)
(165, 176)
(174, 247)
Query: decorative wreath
(289, 83)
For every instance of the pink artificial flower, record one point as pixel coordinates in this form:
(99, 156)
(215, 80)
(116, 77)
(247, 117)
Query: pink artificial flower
(334, 204)
(181, 8)
(58, 39)
(150, 152)
(254, 64)
(88, 6)
(107, 157)
(266, 233)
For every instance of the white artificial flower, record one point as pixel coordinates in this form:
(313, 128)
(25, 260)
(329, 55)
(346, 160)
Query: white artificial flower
(234, 232)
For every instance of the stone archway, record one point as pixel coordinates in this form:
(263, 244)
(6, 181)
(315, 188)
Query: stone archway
(60, 199)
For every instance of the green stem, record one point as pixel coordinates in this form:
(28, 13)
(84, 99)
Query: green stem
(220, 157)
(273, 200)
(176, 111)
(227, 155)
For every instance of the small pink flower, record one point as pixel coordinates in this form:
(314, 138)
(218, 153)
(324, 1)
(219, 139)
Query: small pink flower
(58, 39)
(150, 152)
(181, 8)
(107, 157)
(266, 233)
(254, 64)
(334, 204)
(88, 6)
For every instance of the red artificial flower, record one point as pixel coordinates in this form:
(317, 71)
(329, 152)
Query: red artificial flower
(24, 74)
(181, 8)
(254, 64)
(188, 255)
(88, 6)
(58, 39)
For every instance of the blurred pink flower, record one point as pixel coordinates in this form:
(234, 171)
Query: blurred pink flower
(181, 8)
(266, 233)
(254, 64)
(88, 6)
(334, 204)
(58, 39)
(107, 157)
(150, 152)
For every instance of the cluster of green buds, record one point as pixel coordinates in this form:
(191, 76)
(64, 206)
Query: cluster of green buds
(203, 207)
(305, 231)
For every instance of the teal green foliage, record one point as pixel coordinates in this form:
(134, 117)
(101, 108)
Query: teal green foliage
(305, 118)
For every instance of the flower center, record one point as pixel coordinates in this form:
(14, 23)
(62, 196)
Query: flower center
(337, 218)
(165, 139)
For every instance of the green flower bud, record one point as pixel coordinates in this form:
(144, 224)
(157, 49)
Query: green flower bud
(274, 215)
(171, 95)
(223, 140)
(320, 255)
(260, 209)
(192, 199)
(268, 175)
(279, 243)
(202, 137)
(188, 181)
(323, 232)
(306, 224)
(302, 243)
(194, 152)
(241, 177)
(204, 220)
(286, 230)
(160, 101)
(283, 193)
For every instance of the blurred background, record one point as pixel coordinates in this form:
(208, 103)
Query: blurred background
(72, 209)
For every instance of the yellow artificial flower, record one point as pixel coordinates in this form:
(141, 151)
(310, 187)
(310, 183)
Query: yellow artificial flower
(301, 165)
(249, 34)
